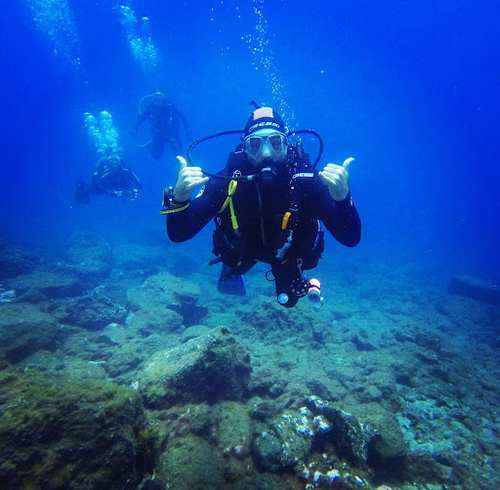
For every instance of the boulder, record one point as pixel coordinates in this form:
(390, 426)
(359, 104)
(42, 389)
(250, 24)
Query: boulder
(24, 330)
(213, 367)
(194, 331)
(191, 464)
(234, 429)
(157, 319)
(285, 441)
(342, 429)
(61, 432)
(90, 312)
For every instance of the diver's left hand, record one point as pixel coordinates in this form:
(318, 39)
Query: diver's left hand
(336, 178)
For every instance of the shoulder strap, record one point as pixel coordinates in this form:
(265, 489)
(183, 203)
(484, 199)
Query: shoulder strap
(229, 202)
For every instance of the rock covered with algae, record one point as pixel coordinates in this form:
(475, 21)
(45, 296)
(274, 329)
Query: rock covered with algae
(63, 433)
(212, 367)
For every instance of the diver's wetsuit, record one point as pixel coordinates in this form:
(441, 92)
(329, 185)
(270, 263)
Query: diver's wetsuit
(164, 118)
(259, 208)
(115, 181)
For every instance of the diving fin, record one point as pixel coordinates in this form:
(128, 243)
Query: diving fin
(231, 282)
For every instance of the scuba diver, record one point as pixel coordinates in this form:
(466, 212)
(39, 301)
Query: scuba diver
(164, 118)
(268, 204)
(111, 177)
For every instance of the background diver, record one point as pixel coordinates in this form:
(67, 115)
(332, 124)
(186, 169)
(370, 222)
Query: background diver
(111, 177)
(164, 118)
(268, 203)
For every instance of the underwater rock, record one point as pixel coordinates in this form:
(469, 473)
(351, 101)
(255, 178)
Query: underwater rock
(329, 389)
(422, 336)
(286, 440)
(475, 288)
(180, 420)
(210, 368)
(41, 285)
(123, 362)
(190, 464)
(88, 255)
(341, 429)
(380, 445)
(234, 429)
(270, 319)
(176, 294)
(380, 387)
(214, 439)
(15, 261)
(422, 467)
(90, 312)
(63, 432)
(387, 449)
(261, 409)
(267, 383)
(156, 319)
(24, 329)
(194, 331)
(362, 344)
(294, 440)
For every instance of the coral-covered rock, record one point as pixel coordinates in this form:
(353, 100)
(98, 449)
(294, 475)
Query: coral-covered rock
(210, 368)
(63, 433)
(15, 261)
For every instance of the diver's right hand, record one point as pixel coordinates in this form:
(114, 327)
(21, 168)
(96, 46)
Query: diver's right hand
(188, 179)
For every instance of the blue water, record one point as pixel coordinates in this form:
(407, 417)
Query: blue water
(410, 89)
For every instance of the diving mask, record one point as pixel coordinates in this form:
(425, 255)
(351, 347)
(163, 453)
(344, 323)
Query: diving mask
(264, 143)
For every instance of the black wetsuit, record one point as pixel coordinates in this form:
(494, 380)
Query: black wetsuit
(115, 181)
(164, 118)
(259, 209)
